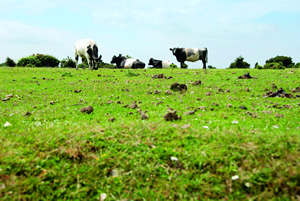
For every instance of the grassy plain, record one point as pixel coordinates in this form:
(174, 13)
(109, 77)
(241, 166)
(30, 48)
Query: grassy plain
(51, 151)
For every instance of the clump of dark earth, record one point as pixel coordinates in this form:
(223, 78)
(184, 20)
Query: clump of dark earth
(89, 109)
(159, 76)
(242, 107)
(208, 94)
(189, 113)
(168, 92)
(178, 87)
(157, 91)
(171, 116)
(77, 91)
(112, 119)
(279, 93)
(246, 76)
(52, 102)
(170, 77)
(27, 114)
(197, 82)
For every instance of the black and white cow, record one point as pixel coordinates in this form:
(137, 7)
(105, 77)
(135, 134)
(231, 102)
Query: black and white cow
(159, 63)
(123, 62)
(87, 49)
(190, 54)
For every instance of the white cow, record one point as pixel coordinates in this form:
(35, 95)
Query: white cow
(87, 49)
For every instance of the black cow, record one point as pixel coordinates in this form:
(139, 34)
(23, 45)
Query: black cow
(159, 63)
(123, 62)
(190, 54)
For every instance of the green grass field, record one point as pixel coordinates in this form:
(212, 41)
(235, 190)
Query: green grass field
(49, 150)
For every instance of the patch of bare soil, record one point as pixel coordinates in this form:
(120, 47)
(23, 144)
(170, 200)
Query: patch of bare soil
(178, 87)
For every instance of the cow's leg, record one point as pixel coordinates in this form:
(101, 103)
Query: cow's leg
(76, 60)
(82, 62)
(181, 64)
(204, 64)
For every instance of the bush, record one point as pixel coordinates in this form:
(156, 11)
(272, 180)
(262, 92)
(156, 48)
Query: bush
(291, 65)
(211, 67)
(286, 61)
(274, 65)
(239, 63)
(9, 62)
(297, 65)
(39, 60)
(67, 62)
(49, 61)
(32, 60)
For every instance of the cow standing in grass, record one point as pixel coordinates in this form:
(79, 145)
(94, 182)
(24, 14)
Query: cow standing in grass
(190, 54)
(87, 49)
(123, 62)
(159, 63)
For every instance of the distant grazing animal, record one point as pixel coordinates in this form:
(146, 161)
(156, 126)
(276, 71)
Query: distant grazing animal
(123, 62)
(159, 63)
(190, 54)
(87, 49)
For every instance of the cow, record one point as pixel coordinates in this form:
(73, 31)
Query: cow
(87, 49)
(190, 54)
(123, 62)
(159, 63)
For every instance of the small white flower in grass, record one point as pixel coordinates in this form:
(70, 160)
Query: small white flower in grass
(247, 185)
(192, 92)
(174, 158)
(11, 115)
(7, 124)
(235, 177)
(103, 196)
(235, 122)
(205, 127)
(275, 126)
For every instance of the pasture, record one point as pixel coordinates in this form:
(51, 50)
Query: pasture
(234, 145)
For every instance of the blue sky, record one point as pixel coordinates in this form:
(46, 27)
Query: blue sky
(256, 29)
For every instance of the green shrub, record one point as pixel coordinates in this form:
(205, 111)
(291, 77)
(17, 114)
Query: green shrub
(32, 60)
(291, 65)
(9, 62)
(239, 63)
(297, 65)
(67, 63)
(259, 67)
(274, 66)
(38, 60)
(211, 67)
(49, 61)
(286, 61)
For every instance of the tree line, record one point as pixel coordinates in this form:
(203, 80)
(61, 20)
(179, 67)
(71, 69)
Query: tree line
(41, 60)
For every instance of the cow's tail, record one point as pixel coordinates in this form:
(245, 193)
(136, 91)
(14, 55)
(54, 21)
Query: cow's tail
(206, 57)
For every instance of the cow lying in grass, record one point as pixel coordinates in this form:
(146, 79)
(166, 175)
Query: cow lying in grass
(87, 49)
(159, 63)
(123, 62)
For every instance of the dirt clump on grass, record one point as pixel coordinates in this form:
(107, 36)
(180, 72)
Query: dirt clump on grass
(159, 76)
(171, 116)
(178, 87)
(198, 82)
(246, 76)
(279, 93)
(89, 109)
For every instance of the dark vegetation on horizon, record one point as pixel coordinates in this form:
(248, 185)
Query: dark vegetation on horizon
(41, 60)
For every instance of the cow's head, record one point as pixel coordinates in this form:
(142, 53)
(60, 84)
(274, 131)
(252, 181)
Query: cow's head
(116, 59)
(150, 61)
(173, 50)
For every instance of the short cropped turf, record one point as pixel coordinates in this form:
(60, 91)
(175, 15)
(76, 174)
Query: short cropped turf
(232, 142)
